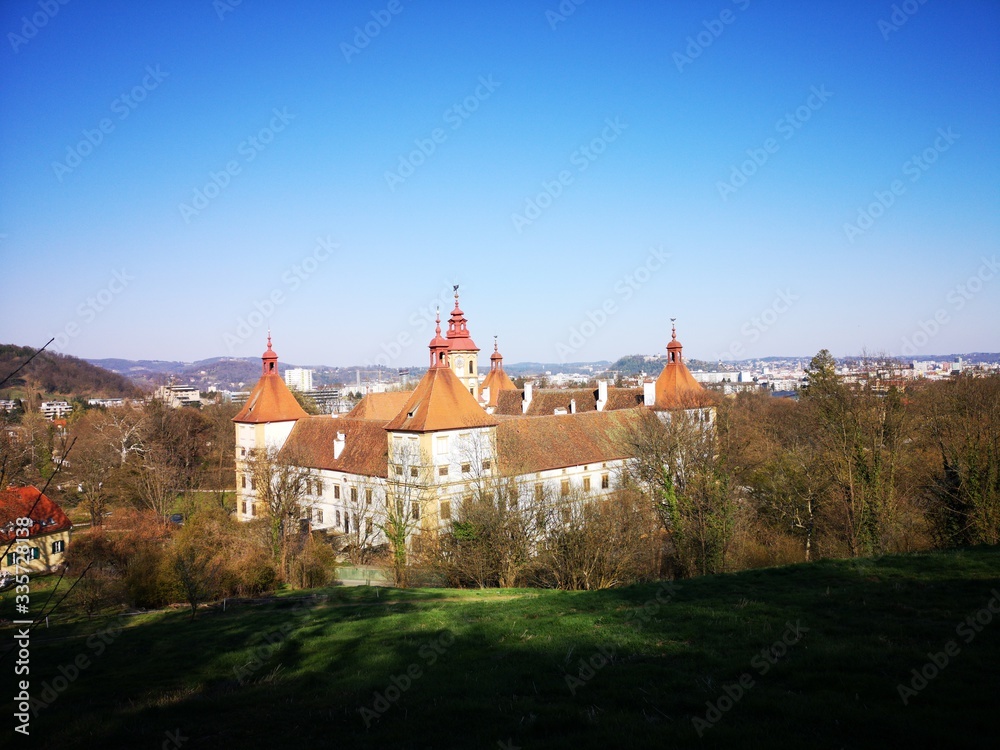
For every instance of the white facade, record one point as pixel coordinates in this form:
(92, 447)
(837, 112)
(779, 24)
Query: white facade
(299, 379)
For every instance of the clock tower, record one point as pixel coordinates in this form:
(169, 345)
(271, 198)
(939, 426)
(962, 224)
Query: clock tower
(463, 354)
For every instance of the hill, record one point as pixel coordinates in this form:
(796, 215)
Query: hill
(802, 656)
(55, 374)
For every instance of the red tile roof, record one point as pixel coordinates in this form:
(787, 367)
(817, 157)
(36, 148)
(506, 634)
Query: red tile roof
(497, 380)
(533, 444)
(16, 502)
(676, 388)
(270, 401)
(380, 406)
(440, 402)
(366, 445)
(546, 401)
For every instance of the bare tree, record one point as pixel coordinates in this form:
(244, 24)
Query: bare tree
(280, 486)
(407, 490)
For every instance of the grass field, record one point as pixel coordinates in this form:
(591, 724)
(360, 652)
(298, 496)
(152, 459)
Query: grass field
(807, 656)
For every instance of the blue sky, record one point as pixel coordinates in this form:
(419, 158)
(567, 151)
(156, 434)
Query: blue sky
(584, 172)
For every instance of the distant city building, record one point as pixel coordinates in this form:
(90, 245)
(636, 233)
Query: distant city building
(106, 402)
(176, 396)
(299, 379)
(55, 409)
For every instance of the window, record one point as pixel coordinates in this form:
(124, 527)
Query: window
(36, 552)
(368, 526)
(586, 484)
(338, 517)
(564, 487)
(605, 481)
(244, 481)
(565, 515)
(416, 511)
(319, 515)
(441, 445)
(336, 492)
(253, 483)
(368, 496)
(539, 491)
(399, 470)
(413, 471)
(243, 451)
(244, 507)
(471, 371)
(443, 471)
(487, 463)
(10, 558)
(319, 487)
(347, 523)
(472, 390)
(253, 509)
(445, 510)
(466, 468)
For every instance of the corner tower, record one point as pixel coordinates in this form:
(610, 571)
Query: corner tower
(265, 421)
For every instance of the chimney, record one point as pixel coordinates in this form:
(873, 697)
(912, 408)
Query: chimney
(602, 394)
(572, 406)
(338, 444)
(649, 394)
(526, 400)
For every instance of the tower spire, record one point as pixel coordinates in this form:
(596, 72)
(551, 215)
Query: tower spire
(674, 348)
(496, 359)
(269, 359)
(438, 345)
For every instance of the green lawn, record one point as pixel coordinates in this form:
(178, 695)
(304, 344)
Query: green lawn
(807, 656)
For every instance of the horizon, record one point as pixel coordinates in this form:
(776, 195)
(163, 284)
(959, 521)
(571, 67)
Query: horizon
(792, 178)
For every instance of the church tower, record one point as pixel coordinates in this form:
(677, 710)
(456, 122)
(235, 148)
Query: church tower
(463, 354)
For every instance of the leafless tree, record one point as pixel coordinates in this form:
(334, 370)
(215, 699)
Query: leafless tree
(279, 482)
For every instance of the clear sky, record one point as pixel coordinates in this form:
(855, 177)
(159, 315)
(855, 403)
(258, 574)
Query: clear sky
(780, 177)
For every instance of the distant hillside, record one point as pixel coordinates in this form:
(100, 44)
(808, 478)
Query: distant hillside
(633, 364)
(55, 374)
